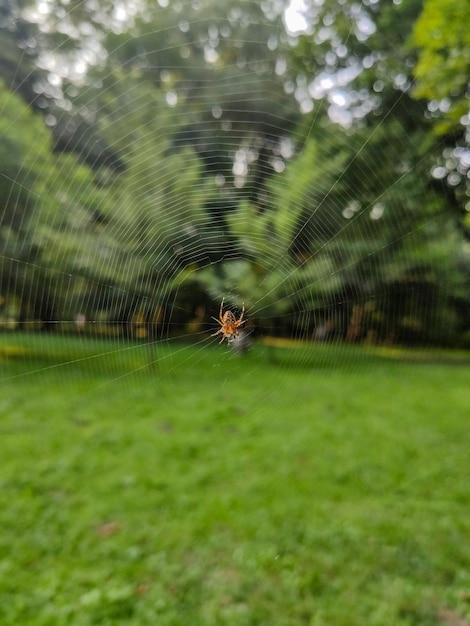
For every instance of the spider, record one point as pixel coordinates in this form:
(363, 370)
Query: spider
(228, 324)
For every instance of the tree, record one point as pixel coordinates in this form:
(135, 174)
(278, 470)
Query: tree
(154, 214)
(273, 278)
(443, 69)
(222, 64)
(21, 169)
(354, 56)
(45, 58)
(185, 133)
(442, 77)
(51, 241)
(353, 240)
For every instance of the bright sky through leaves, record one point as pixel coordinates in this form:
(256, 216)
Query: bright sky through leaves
(294, 17)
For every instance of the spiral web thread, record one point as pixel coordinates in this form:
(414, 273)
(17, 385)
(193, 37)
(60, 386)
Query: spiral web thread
(137, 303)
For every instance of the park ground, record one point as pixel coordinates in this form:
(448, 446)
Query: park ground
(320, 485)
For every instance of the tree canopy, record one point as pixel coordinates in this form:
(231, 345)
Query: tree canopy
(320, 176)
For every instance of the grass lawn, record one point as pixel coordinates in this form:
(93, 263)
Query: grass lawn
(327, 486)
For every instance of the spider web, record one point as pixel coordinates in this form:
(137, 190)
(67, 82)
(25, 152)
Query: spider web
(196, 216)
(151, 472)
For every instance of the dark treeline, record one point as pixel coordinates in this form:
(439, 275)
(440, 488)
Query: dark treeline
(159, 157)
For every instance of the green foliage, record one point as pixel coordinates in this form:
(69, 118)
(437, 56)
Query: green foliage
(157, 218)
(442, 78)
(196, 497)
(49, 229)
(443, 39)
(19, 42)
(353, 221)
(24, 161)
(21, 164)
(273, 275)
(190, 128)
(359, 48)
(201, 59)
(88, 234)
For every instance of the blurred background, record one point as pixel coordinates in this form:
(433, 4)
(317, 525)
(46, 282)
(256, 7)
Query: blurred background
(305, 162)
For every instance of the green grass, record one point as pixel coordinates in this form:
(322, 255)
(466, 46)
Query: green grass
(329, 487)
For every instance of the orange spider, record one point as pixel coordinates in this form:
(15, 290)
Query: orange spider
(228, 324)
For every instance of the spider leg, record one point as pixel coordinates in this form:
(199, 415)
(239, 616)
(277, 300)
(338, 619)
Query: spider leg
(221, 309)
(240, 320)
